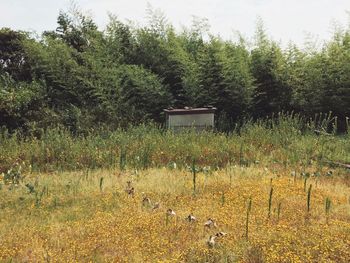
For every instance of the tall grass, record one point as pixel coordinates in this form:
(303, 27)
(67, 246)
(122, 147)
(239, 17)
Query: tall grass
(285, 139)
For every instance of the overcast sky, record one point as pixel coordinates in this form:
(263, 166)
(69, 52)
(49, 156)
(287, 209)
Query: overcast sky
(285, 20)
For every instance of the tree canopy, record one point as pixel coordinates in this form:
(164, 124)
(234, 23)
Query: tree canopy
(81, 77)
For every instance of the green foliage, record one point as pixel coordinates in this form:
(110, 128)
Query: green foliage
(13, 58)
(80, 77)
(39, 196)
(13, 176)
(21, 103)
(272, 93)
(143, 146)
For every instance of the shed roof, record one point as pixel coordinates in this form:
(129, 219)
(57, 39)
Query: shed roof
(188, 110)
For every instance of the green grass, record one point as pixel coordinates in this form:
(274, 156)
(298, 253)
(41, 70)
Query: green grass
(288, 140)
(63, 196)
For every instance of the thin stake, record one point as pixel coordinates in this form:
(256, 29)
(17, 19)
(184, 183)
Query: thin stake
(249, 207)
(101, 183)
(194, 172)
(270, 202)
(328, 207)
(309, 198)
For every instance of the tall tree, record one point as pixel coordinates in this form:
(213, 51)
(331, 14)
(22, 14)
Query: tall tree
(272, 94)
(13, 58)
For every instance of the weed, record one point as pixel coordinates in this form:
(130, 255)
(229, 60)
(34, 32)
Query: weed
(14, 175)
(285, 140)
(31, 188)
(155, 235)
(39, 196)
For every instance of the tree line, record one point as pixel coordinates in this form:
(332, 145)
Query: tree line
(81, 77)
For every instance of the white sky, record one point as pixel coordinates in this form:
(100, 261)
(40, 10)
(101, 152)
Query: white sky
(285, 20)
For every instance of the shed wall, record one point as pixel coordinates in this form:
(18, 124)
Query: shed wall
(196, 120)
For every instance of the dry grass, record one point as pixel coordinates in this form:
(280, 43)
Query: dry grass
(75, 221)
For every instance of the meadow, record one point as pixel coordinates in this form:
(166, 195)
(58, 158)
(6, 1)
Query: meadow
(270, 191)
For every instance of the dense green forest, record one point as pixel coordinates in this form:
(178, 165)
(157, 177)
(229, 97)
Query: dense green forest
(81, 77)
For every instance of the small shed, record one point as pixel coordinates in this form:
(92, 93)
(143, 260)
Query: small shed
(198, 118)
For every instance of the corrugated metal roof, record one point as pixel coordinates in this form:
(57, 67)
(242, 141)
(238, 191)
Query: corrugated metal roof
(188, 110)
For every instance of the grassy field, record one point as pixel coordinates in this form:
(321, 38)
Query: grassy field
(273, 188)
(88, 216)
(288, 140)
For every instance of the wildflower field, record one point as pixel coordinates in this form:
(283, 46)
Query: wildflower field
(275, 194)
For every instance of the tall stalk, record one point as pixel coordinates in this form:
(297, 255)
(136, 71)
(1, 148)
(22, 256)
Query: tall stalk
(101, 184)
(194, 175)
(327, 209)
(270, 202)
(309, 199)
(249, 208)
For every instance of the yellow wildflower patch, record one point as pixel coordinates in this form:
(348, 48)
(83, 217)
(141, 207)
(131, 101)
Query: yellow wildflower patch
(72, 217)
